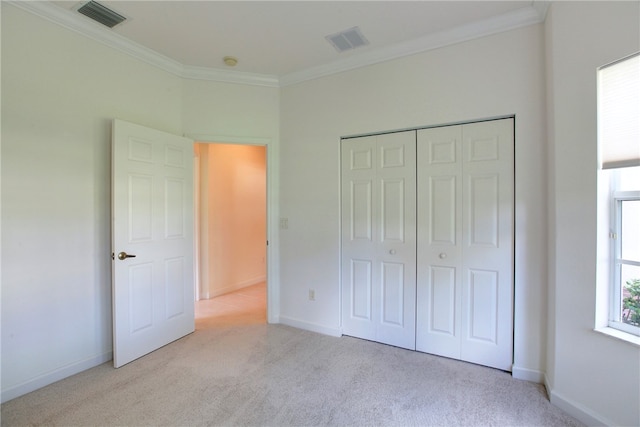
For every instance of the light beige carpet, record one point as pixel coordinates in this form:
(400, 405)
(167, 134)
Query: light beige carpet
(274, 375)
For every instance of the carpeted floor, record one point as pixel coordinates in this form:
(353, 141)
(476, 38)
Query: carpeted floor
(274, 375)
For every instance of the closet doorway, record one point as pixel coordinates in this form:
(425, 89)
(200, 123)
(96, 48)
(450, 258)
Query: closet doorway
(231, 233)
(427, 240)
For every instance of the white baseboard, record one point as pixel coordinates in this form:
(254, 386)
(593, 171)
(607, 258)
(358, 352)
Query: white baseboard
(235, 286)
(308, 326)
(52, 377)
(583, 414)
(527, 374)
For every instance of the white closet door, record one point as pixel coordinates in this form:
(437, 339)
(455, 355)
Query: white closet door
(379, 238)
(465, 242)
(487, 240)
(359, 199)
(439, 156)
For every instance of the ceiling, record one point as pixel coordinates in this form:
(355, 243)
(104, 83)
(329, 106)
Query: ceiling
(283, 42)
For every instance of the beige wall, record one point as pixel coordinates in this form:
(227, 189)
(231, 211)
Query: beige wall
(232, 217)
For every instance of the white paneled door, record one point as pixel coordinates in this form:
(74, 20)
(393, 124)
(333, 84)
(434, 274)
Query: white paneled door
(379, 238)
(427, 240)
(439, 287)
(152, 214)
(465, 242)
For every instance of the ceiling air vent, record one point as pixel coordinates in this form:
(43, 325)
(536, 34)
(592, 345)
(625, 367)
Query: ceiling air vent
(347, 39)
(101, 14)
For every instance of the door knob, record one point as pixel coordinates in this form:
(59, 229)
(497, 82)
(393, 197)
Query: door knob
(442, 255)
(124, 255)
(392, 251)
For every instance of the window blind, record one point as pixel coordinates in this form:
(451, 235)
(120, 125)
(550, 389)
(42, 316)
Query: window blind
(619, 113)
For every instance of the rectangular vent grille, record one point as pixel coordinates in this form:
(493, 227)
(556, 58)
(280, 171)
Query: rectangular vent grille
(101, 14)
(347, 39)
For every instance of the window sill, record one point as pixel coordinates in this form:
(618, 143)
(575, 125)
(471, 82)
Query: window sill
(620, 335)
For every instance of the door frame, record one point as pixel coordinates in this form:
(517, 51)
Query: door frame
(272, 212)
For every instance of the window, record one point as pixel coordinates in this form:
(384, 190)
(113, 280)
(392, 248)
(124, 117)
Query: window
(625, 309)
(619, 144)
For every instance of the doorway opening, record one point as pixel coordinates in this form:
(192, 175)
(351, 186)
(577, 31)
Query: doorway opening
(231, 234)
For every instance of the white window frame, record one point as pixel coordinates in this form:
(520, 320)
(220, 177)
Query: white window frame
(615, 314)
(618, 134)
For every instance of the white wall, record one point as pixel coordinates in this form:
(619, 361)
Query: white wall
(222, 112)
(235, 111)
(493, 76)
(60, 92)
(593, 376)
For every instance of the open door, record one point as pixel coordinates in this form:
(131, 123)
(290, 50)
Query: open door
(152, 237)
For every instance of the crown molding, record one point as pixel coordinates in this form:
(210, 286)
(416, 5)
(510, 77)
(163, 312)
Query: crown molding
(497, 24)
(531, 15)
(114, 40)
(542, 7)
(213, 74)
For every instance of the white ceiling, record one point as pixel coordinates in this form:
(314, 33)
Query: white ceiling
(282, 42)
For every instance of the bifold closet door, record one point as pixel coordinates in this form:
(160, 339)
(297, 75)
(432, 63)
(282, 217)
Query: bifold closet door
(379, 238)
(439, 159)
(465, 242)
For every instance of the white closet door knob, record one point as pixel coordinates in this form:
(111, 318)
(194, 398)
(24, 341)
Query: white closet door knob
(392, 251)
(442, 255)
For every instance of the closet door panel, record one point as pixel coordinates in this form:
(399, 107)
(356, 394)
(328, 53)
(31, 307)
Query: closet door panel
(487, 241)
(482, 305)
(361, 221)
(439, 165)
(465, 242)
(392, 210)
(397, 238)
(442, 214)
(392, 306)
(361, 285)
(442, 299)
(483, 209)
(379, 238)
(359, 226)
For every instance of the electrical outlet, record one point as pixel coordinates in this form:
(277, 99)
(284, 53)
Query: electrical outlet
(312, 295)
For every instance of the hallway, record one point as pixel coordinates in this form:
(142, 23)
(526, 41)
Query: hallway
(245, 306)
